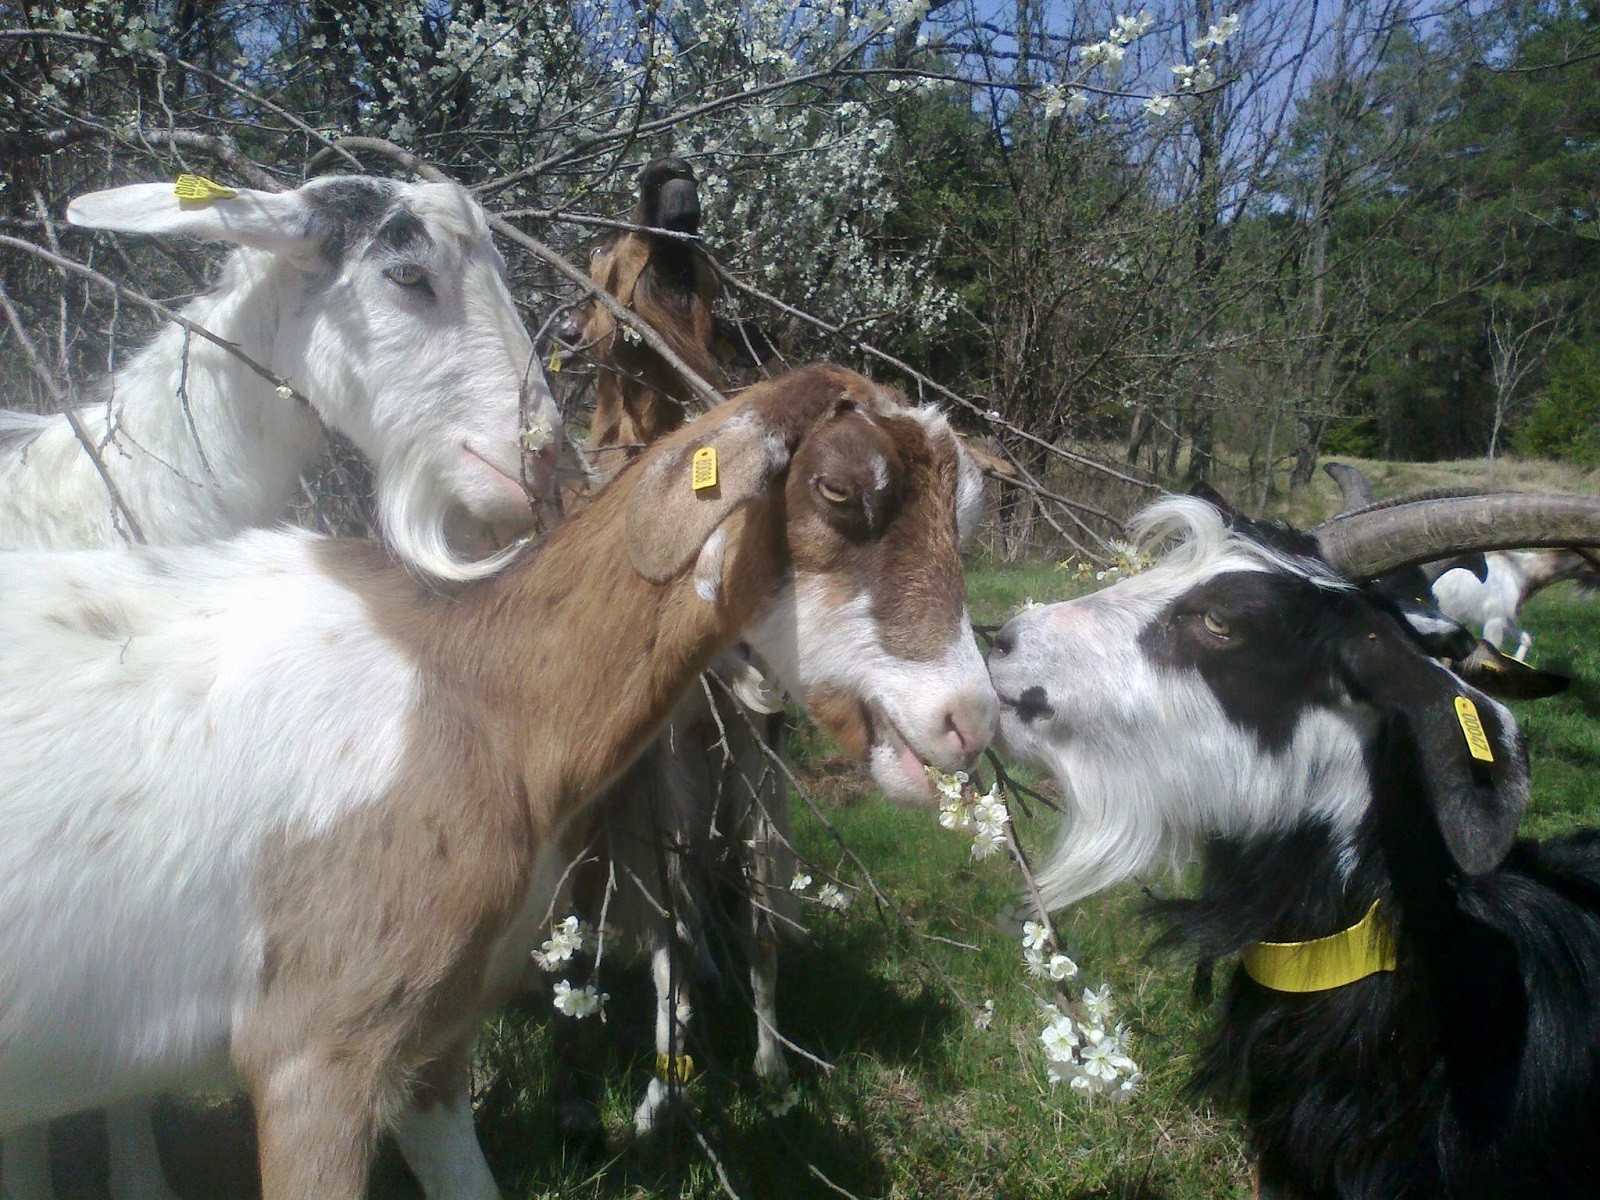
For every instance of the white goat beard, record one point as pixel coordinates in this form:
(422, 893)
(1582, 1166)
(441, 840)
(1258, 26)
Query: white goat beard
(414, 509)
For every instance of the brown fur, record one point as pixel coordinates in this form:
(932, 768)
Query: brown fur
(670, 286)
(380, 931)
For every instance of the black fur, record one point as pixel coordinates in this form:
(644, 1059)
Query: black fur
(1471, 1071)
(345, 214)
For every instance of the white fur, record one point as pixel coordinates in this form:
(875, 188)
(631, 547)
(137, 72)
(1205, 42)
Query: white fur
(846, 651)
(203, 704)
(1149, 759)
(1494, 602)
(428, 386)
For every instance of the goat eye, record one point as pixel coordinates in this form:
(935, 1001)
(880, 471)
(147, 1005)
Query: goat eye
(407, 275)
(1215, 625)
(832, 492)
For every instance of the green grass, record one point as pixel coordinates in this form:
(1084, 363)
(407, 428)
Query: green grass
(919, 1102)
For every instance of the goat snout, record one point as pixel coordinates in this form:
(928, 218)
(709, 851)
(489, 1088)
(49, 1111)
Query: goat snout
(970, 723)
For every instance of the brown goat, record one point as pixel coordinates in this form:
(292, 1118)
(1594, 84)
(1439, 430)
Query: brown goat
(323, 844)
(668, 283)
(702, 814)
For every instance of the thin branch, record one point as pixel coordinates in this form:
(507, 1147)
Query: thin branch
(68, 409)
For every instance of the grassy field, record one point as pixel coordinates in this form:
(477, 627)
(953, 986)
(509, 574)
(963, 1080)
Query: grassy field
(917, 1101)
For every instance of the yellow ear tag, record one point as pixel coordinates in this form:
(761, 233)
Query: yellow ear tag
(703, 468)
(1472, 728)
(555, 361)
(197, 189)
(674, 1068)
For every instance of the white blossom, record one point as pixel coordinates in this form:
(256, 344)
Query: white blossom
(579, 1003)
(1130, 29)
(570, 936)
(1109, 53)
(1097, 1005)
(1060, 1039)
(540, 433)
(1159, 106)
(1218, 34)
(800, 882)
(832, 897)
(983, 1017)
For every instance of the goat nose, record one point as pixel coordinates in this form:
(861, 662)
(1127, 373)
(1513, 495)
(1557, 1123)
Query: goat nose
(1005, 641)
(969, 725)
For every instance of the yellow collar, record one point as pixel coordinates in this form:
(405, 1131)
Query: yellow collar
(1323, 963)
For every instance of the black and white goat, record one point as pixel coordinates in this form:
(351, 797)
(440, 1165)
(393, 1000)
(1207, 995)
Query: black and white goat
(1246, 701)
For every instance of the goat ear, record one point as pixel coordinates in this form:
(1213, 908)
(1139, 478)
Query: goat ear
(669, 519)
(741, 342)
(1473, 767)
(1503, 677)
(268, 220)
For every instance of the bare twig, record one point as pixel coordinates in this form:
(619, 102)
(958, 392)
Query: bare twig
(68, 409)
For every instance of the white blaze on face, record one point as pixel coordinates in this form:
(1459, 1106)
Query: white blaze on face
(813, 642)
(1150, 756)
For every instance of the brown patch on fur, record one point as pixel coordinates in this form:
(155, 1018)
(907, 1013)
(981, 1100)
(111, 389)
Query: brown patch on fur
(668, 284)
(379, 930)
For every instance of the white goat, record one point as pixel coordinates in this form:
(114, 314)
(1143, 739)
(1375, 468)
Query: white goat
(275, 809)
(1510, 579)
(383, 302)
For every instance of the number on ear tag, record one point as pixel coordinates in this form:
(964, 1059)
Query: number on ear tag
(197, 189)
(1472, 728)
(703, 468)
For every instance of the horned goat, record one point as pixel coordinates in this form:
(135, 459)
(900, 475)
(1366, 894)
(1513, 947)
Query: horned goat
(704, 813)
(1439, 1034)
(383, 302)
(276, 807)
(1488, 592)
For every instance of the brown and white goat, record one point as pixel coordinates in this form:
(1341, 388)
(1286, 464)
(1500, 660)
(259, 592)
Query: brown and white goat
(275, 809)
(703, 813)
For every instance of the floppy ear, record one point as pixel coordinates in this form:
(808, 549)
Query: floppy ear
(1471, 759)
(669, 519)
(266, 220)
(1505, 678)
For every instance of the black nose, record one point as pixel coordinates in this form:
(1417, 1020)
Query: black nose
(1005, 641)
(1034, 705)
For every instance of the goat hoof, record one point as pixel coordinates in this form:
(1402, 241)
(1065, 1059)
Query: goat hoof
(658, 1111)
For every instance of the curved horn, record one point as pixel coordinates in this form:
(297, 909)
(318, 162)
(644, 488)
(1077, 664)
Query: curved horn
(1375, 541)
(1354, 490)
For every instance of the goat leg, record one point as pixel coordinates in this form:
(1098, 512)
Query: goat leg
(316, 1119)
(436, 1135)
(673, 1013)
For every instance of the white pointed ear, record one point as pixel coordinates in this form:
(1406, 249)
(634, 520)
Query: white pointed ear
(266, 220)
